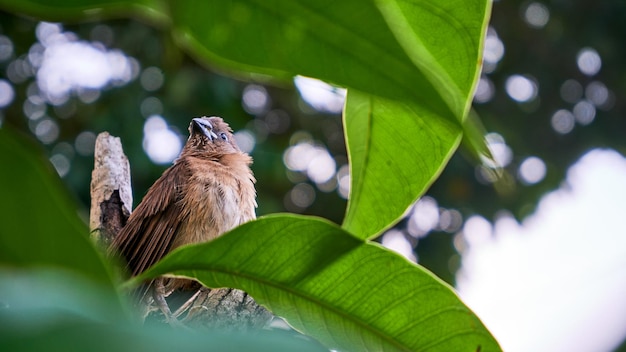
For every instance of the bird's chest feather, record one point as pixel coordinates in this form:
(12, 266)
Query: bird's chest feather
(217, 199)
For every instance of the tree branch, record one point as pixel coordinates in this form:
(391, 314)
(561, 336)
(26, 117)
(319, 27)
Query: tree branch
(111, 192)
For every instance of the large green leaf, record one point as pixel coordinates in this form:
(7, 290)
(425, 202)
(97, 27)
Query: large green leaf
(349, 294)
(444, 39)
(396, 150)
(54, 310)
(346, 43)
(40, 226)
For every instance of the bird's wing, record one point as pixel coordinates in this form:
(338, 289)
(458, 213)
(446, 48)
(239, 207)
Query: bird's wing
(151, 228)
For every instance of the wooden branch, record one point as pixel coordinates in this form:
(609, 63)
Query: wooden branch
(111, 205)
(111, 192)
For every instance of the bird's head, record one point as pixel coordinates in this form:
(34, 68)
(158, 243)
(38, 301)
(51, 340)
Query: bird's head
(210, 136)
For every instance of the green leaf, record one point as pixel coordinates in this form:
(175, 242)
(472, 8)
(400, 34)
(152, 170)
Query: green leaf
(80, 10)
(444, 40)
(349, 294)
(475, 142)
(382, 47)
(396, 150)
(40, 226)
(59, 292)
(55, 310)
(346, 43)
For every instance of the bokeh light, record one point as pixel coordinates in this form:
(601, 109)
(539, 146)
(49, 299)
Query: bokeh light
(255, 99)
(245, 140)
(300, 197)
(397, 242)
(597, 93)
(47, 130)
(321, 95)
(450, 220)
(85, 143)
(161, 144)
(312, 159)
(34, 107)
(277, 121)
(103, 34)
(584, 112)
(61, 164)
(65, 65)
(6, 48)
(493, 51)
(424, 217)
(151, 79)
(589, 61)
(521, 88)
(562, 121)
(88, 96)
(19, 70)
(536, 15)
(151, 106)
(6, 93)
(532, 170)
(343, 181)
(484, 91)
(477, 230)
(571, 91)
(500, 151)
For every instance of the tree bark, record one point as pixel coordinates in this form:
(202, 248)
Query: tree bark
(111, 192)
(111, 205)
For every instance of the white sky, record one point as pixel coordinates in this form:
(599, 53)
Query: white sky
(557, 282)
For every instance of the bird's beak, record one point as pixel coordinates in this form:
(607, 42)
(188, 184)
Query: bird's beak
(200, 125)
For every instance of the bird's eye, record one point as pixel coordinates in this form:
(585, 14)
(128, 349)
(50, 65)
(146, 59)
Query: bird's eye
(224, 136)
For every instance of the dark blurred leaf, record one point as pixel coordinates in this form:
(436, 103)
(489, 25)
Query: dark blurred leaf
(349, 294)
(396, 151)
(54, 291)
(42, 310)
(79, 10)
(40, 226)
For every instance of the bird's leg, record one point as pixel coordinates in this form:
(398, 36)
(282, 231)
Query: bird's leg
(159, 294)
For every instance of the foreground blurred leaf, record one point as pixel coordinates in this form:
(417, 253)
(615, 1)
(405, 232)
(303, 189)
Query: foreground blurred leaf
(79, 10)
(349, 294)
(51, 291)
(396, 151)
(48, 310)
(40, 226)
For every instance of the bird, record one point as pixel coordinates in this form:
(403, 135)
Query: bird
(209, 190)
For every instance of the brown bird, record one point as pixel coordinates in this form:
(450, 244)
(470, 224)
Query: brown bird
(207, 191)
